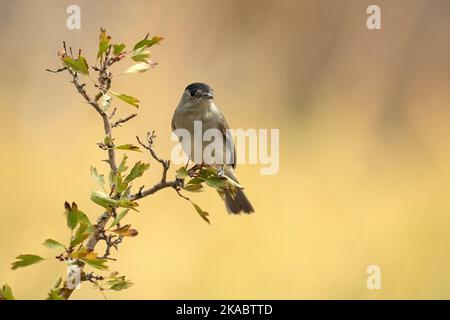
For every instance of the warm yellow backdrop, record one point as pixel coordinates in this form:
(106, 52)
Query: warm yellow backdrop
(365, 149)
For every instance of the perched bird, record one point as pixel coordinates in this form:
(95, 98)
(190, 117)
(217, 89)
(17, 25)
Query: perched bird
(197, 105)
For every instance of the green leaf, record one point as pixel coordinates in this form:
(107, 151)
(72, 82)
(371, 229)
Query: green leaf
(83, 218)
(120, 184)
(193, 187)
(107, 141)
(122, 167)
(97, 263)
(72, 217)
(102, 199)
(99, 178)
(118, 49)
(83, 232)
(125, 231)
(77, 65)
(57, 283)
(119, 283)
(25, 260)
(140, 55)
(126, 98)
(196, 180)
(147, 43)
(127, 203)
(75, 216)
(208, 172)
(129, 146)
(103, 43)
(6, 293)
(50, 243)
(119, 217)
(79, 238)
(55, 294)
(138, 68)
(217, 183)
(181, 173)
(203, 214)
(137, 171)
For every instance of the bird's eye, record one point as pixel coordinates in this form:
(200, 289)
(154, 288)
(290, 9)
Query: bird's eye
(192, 92)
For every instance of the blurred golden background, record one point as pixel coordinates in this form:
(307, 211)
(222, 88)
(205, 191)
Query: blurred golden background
(364, 161)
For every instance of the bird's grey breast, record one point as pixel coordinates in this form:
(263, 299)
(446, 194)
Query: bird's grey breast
(206, 112)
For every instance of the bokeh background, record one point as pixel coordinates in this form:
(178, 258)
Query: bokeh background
(364, 137)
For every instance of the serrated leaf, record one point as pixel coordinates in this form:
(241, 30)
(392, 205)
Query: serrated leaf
(77, 65)
(121, 186)
(129, 146)
(98, 177)
(80, 253)
(75, 216)
(123, 167)
(25, 260)
(118, 49)
(137, 171)
(119, 217)
(71, 215)
(203, 214)
(6, 293)
(119, 283)
(103, 43)
(79, 238)
(72, 220)
(126, 98)
(55, 294)
(97, 263)
(147, 43)
(122, 230)
(83, 218)
(90, 256)
(83, 232)
(131, 233)
(50, 243)
(127, 203)
(125, 231)
(140, 55)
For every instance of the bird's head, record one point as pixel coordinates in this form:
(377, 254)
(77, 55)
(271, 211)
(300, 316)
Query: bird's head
(197, 92)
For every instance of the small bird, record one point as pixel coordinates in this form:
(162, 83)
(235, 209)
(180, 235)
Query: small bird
(196, 104)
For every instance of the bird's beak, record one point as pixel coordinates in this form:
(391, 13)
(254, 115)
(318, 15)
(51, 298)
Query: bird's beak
(207, 95)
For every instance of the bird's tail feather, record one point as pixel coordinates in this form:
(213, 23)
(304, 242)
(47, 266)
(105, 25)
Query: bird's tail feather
(237, 202)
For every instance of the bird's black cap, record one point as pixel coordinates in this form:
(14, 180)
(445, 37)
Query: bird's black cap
(193, 87)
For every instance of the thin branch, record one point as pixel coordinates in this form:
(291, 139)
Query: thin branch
(113, 113)
(56, 71)
(159, 186)
(119, 122)
(149, 146)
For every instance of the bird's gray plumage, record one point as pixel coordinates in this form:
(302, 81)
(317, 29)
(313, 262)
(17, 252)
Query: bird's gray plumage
(196, 104)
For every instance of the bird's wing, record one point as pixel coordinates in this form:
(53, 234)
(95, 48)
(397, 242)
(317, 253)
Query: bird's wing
(230, 147)
(173, 125)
